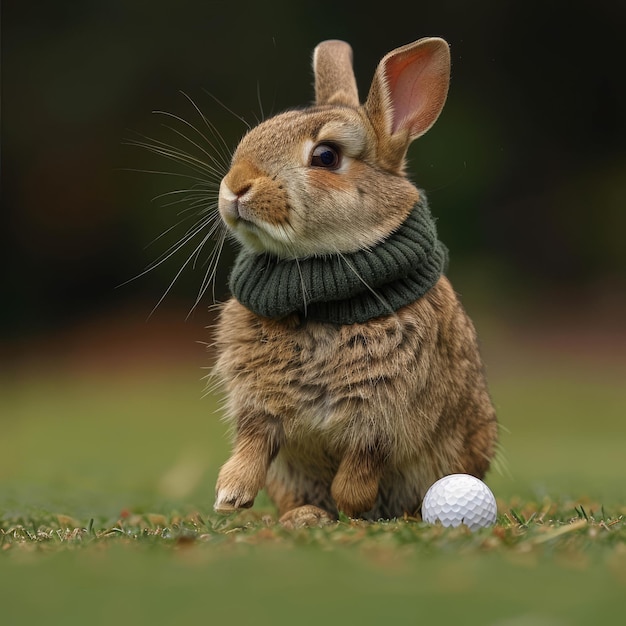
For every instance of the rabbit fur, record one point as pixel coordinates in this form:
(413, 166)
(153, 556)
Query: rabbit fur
(355, 418)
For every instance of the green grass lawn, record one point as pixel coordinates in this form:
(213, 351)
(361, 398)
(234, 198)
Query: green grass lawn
(106, 492)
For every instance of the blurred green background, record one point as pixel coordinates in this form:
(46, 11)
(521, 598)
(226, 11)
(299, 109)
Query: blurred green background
(101, 406)
(525, 170)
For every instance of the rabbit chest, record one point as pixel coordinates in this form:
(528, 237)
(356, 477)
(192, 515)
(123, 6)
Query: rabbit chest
(324, 382)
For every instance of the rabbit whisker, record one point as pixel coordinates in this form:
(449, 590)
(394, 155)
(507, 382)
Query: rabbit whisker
(372, 291)
(304, 291)
(174, 248)
(211, 272)
(192, 190)
(193, 255)
(192, 200)
(161, 173)
(239, 117)
(168, 151)
(205, 159)
(210, 206)
(258, 97)
(221, 163)
(222, 149)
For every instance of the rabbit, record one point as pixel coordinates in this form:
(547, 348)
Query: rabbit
(339, 407)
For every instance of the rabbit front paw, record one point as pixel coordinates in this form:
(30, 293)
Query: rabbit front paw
(231, 500)
(236, 488)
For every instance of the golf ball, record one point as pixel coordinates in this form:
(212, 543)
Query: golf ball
(459, 499)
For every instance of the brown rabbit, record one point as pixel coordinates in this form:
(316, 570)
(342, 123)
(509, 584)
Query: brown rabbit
(352, 372)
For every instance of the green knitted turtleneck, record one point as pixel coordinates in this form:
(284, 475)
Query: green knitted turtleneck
(347, 288)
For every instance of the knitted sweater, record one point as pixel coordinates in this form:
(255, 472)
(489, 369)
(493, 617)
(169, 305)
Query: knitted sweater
(345, 288)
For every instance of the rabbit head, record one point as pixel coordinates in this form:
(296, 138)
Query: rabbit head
(330, 178)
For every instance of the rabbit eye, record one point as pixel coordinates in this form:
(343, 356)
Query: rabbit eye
(325, 155)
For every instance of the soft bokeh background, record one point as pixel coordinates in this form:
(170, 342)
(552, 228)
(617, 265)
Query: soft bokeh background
(525, 170)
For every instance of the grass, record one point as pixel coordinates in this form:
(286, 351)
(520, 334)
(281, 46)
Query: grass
(106, 489)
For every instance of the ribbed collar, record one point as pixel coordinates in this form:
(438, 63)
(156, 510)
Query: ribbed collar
(347, 288)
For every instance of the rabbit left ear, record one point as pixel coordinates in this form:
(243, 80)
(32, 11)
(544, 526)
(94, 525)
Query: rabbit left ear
(334, 77)
(409, 89)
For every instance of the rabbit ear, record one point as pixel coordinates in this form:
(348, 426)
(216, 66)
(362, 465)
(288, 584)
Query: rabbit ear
(409, 89)
(334, 78)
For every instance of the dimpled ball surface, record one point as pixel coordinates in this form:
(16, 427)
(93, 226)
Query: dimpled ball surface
(460, 499)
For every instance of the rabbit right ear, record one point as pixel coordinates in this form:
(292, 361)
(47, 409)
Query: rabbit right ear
(408, 92)
(334, 77)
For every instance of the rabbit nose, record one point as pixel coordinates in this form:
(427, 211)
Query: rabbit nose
(241, 177)
(240, 180)
(242, 191)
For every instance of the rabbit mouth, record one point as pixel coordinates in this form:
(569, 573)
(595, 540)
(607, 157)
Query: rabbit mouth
(231, 207)
(237, 215)
(250, 231)
(240, 214)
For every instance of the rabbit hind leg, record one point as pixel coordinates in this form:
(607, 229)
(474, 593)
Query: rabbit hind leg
(302, 495)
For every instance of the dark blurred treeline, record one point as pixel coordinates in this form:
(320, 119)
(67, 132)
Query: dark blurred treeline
(526, 168)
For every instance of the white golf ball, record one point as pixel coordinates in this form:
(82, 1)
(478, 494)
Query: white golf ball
(460, 499)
